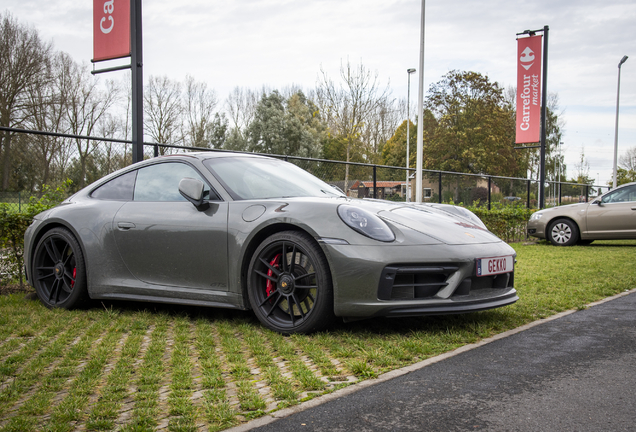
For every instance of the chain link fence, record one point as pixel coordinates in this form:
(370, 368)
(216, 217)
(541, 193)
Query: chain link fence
(38, 158)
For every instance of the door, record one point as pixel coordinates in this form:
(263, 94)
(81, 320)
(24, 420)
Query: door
(615, 216)
(164, 240)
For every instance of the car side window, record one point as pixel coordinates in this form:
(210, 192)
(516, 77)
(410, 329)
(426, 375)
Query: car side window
(118, 189)
(160, 182)
(625, 194)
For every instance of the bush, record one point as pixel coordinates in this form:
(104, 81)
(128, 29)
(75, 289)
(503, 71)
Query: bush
(505, 221)
(13, 224)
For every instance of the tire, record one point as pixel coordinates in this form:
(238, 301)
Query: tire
(59, 271)
(289, 268)
(563, 232)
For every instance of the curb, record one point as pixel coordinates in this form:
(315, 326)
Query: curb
(270, 418)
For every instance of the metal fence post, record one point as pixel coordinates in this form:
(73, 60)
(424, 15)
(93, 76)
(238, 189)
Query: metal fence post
(528, 201)
(489, 187)
(375, 188)
(440, 187)
(559, 193)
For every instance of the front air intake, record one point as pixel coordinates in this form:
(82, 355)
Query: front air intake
(413, 282)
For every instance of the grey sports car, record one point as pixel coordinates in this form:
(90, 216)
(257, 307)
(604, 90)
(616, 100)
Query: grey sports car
(251, 232)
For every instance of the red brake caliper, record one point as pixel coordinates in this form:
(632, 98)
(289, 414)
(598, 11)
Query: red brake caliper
(270, 285)
(74, 277)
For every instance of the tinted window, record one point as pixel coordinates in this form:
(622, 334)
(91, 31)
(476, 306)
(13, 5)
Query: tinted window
(625, 194)
(161, 182)
(119, 188)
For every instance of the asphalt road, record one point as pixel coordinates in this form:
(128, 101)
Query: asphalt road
(575, 373)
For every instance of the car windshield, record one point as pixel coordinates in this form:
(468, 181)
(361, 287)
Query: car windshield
(259, 178)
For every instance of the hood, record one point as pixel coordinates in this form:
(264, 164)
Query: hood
(565, 207)
(446, 227)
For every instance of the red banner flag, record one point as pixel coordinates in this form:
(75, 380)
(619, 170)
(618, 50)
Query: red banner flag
(111, 29)
(529, 89)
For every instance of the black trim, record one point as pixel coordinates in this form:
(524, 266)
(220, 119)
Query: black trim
(452, 307)
(389, 276)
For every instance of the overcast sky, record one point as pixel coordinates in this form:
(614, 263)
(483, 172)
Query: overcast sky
(276, 43)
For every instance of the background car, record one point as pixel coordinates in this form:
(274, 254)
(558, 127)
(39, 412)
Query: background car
(611, 216)
(250, 232)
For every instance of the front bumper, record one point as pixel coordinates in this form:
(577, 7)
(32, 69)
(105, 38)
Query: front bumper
(536, 229)
(421, 279)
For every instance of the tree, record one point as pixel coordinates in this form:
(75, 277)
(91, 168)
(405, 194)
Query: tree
(217, 134)
(394, 151)
(628, 159)
(306, 131)
(48, 112)
(241, 107)
(349, 107)
(86, 105)
(286, 127)
(163, 111)
(470, 127)
(23, 65)
(199, 104)
(623, 176)
(582, 177)
(626, 171)
(554, 159)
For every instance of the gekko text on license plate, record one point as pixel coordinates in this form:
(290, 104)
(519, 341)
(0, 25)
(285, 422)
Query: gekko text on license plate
(494, 265)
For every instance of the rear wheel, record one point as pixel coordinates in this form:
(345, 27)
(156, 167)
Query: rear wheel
(563, 232)
(289, 284)
(59, 272)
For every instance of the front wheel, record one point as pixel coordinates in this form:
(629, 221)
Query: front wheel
(289, 284)
(563, 232)
(59, 272)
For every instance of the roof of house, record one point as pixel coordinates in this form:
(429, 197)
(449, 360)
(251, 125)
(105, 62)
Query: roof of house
(369, 184)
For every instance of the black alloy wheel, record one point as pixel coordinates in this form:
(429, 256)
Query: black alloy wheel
(59, 273)
(289, 284)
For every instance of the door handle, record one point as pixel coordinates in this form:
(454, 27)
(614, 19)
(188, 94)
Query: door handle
(124, 226)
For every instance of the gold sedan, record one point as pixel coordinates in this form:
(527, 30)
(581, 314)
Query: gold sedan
(611, 216)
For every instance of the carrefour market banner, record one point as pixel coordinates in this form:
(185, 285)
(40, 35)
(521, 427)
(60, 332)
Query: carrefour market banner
(528, 89)
(111, 29)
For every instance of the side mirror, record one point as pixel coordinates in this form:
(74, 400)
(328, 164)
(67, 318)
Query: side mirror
(192, 190)
(598, 202)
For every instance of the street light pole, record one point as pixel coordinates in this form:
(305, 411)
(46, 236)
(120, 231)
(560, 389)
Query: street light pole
(408, 129)
(420, 110)
(618, 92)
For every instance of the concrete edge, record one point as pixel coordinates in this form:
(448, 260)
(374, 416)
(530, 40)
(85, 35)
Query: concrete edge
(262, 421)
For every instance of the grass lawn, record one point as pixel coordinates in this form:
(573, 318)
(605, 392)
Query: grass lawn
(137, 367)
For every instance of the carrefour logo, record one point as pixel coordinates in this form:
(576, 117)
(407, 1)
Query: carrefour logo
(527, 58)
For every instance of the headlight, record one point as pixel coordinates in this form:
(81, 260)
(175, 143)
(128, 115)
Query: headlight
(366, 223)
(536, 216)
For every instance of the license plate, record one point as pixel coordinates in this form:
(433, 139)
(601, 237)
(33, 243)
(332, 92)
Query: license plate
(494, 265)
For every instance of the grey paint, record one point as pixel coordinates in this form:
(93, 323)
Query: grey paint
(173, 252)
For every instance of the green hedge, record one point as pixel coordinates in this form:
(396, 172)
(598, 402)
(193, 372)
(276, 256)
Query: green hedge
(14, 223)
(507, 222)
